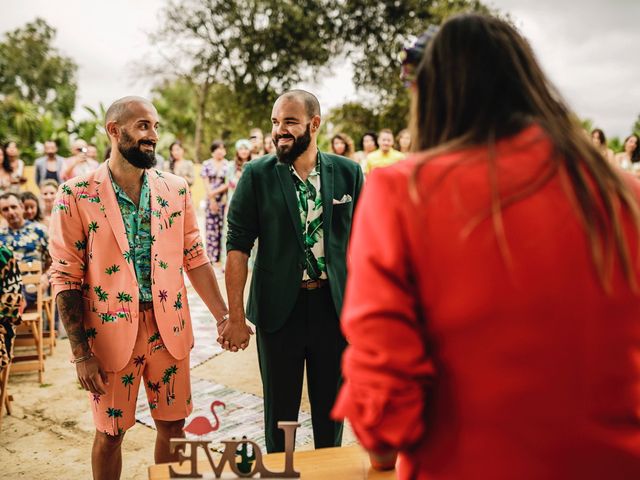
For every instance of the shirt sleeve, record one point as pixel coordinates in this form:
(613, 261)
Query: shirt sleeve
(386, 366)
(194, 253)
(66, 235)
(243, 215)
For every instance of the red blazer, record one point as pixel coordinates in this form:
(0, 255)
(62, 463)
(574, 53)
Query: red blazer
(475, 369)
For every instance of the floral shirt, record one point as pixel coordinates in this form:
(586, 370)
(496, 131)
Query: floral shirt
(29, 243)
(137, 225)
(310, 208)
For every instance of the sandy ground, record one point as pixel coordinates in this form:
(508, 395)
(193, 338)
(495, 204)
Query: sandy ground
(50, 432)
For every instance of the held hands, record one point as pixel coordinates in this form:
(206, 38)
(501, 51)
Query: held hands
(91, 376)
(234, 333)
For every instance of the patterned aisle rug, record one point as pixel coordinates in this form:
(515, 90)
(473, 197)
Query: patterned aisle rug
(204, 330)
(243, 415)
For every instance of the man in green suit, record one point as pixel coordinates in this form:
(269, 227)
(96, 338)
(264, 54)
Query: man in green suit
(299, 203)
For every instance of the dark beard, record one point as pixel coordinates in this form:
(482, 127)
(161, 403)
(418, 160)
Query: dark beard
(133, 154)
(290, 154)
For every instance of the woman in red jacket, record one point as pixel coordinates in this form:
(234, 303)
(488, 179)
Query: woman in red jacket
(492, 304)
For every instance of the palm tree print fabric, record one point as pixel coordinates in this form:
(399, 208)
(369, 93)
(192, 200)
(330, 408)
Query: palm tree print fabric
(165, 380)
(118, 254)
(137, 225)
(310, 209)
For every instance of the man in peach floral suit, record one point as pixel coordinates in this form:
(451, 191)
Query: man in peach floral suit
(121, 239)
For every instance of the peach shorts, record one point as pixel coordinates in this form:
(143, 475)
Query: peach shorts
(165, 379)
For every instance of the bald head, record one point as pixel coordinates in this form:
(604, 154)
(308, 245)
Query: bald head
(122, 109)
(309, 100)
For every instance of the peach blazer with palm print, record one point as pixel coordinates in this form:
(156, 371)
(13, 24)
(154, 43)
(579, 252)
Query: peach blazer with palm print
(90, 252)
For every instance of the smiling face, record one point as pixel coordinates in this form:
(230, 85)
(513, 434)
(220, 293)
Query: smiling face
(30, 208)
(291, 129)
(137, 135)
(48, 195)
(338, 146)
(631, 144)
(12, 211)
(385, 140)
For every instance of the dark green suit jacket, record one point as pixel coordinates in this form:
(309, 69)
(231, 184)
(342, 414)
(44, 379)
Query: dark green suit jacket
(264, 206)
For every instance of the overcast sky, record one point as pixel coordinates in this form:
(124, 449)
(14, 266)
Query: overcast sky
(587, 47)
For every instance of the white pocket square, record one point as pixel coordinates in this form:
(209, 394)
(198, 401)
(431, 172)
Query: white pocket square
(345, 199)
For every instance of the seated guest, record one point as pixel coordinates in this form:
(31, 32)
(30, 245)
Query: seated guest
(49, 166)
(27, 240)
(48, 190)
(492, 306)
(386, 154)
(11, 302)
(31, 206)
(79, 163)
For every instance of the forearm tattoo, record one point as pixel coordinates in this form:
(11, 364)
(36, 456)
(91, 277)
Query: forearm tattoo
(69, 304)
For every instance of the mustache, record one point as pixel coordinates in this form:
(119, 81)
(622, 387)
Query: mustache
(278, 137)
(147, 142)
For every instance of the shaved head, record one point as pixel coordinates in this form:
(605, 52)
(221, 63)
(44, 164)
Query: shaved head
(120, 111)
(309, 100)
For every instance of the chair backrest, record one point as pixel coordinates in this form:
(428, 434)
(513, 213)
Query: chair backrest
(31, 273)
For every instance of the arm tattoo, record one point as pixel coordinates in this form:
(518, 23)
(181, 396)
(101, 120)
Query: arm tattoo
(69, 304)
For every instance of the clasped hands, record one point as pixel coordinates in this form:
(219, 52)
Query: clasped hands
(234, 333)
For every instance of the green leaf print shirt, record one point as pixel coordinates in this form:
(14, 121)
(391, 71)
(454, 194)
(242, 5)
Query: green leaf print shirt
(310, 208)
(137, 225)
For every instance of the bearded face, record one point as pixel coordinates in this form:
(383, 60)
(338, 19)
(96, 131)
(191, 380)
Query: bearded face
(140, 154)
(290, 148)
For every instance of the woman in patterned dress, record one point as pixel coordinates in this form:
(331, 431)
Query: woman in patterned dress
(11, 302)
(213, 173)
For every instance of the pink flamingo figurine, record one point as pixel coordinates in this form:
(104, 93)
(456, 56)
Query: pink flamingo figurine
(201, 426)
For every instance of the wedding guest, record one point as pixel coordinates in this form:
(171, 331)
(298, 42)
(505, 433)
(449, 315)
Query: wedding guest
(600, 141)
(385, 155)
(79, 163)
(631, 153)
(257, 143)
(12, 178)
(342, 144)
(178, 165)
(368, 144)
(214, 173)
(403, 141)
(493, 295)
(269, 146)
(243, 155)
(11, 303)
(50, 165)
(31, 207)
(48, 190)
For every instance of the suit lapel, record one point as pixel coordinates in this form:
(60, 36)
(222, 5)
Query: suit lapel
(326, 189)
(107, 196)
(289, 192)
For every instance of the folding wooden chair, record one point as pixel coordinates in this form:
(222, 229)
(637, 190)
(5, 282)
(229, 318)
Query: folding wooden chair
(49, 334)
(5, 398)
(29, 333)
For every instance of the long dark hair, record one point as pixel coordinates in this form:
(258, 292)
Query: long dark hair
(172, 161)
(635, 156)
(6, 161)
(32, 196)
(479, 81)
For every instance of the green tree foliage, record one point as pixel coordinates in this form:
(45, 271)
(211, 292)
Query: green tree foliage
(242, 53)
(636, 126)
(375, 33)
(37, 86)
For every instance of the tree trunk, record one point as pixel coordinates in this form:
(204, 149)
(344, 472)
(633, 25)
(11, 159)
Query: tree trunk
(203, 94)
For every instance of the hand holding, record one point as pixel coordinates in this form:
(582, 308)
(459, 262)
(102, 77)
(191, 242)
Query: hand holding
(235, 334)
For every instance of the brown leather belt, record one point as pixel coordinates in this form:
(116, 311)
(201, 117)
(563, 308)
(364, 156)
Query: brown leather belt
(143, 306)
(313, 284)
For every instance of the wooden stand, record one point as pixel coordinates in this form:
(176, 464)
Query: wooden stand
(346, 463)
